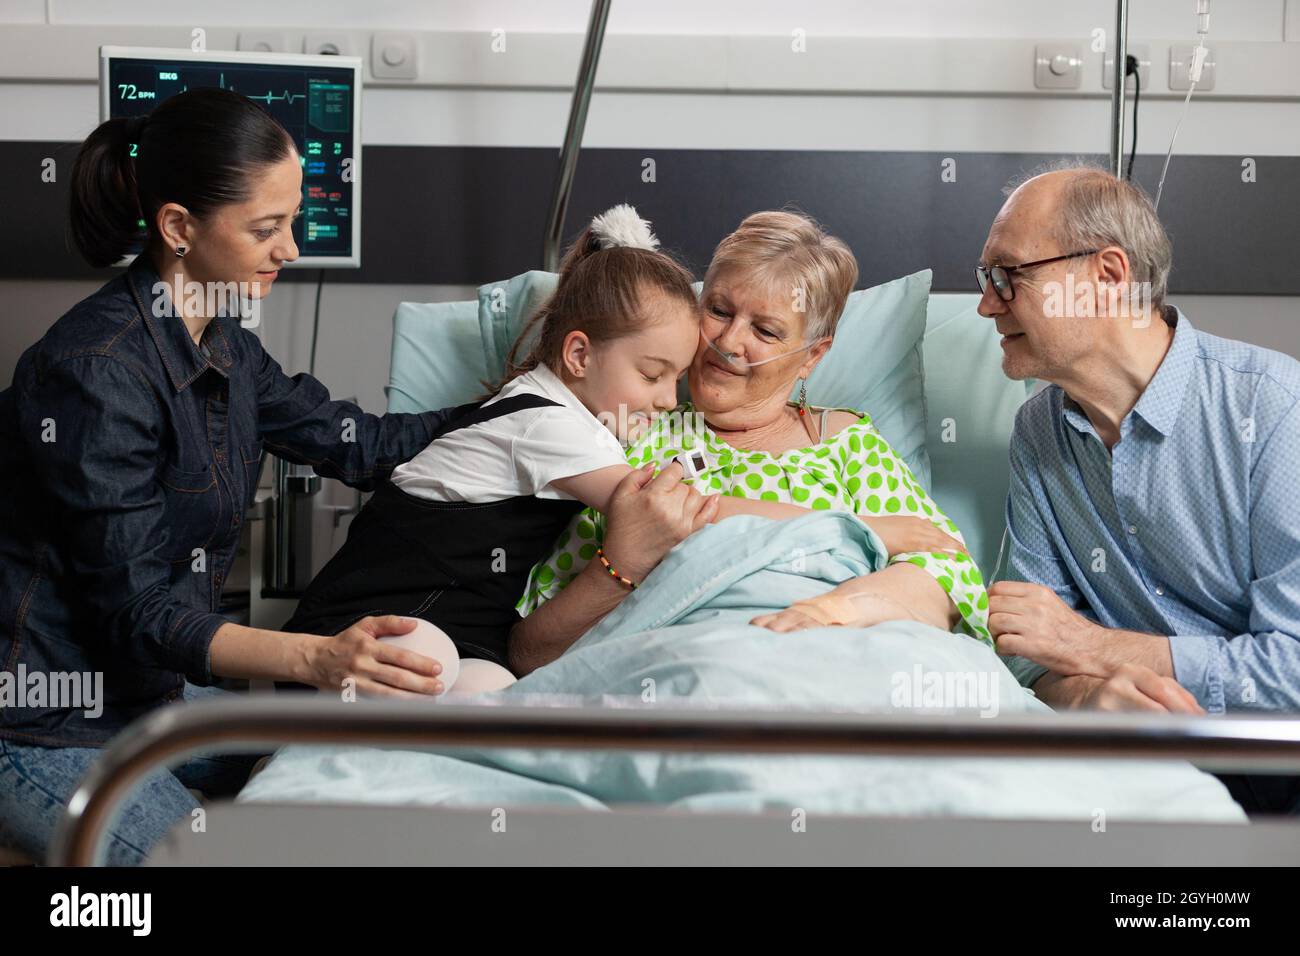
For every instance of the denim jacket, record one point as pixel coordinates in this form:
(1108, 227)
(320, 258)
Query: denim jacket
(129, 458)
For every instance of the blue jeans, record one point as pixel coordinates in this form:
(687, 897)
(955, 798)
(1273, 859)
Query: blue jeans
(37, 782)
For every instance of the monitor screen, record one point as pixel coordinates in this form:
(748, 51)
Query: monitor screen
(316, 98)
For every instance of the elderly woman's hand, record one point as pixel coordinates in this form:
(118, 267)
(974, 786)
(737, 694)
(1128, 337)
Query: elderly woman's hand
(866, 609)
(648, 517)
(903, 535)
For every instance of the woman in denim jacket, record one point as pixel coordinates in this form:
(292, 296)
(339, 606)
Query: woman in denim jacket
(131, 438)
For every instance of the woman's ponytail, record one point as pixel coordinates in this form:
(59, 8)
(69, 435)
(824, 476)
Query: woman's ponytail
(104, 216)
(201, 149)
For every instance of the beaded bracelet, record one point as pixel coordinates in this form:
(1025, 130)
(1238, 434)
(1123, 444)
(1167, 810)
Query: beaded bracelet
(600, 553)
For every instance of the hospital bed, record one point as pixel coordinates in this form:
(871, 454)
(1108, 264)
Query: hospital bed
(962, 383)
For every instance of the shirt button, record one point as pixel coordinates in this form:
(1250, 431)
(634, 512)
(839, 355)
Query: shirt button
(1132, 529)
(1160, 592)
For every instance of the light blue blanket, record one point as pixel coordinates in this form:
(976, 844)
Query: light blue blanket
(683, 638)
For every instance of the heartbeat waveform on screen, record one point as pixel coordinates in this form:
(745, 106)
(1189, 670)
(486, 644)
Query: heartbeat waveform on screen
(268, 98)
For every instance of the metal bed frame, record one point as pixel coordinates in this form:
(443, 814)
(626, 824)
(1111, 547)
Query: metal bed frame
(1236, 744)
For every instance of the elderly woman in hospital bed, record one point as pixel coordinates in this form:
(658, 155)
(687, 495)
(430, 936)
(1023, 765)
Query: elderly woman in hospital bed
(685, 634)
(771, 299)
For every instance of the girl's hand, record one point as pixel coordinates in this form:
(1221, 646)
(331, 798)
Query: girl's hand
(377, 668)
(903, 535)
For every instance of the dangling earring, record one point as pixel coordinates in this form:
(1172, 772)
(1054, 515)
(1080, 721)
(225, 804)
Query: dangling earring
(180, 252)
(803, 397)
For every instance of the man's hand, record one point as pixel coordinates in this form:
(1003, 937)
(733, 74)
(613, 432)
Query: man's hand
(1030, 621)
(1134, 687)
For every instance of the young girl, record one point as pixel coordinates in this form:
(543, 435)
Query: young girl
(452, 536)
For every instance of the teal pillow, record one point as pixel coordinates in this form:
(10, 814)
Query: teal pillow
(504, 308)
(437, 356)
(972, 408)
(875, 364)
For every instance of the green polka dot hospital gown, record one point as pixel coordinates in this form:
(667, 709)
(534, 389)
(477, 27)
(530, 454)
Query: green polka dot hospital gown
(855, 470)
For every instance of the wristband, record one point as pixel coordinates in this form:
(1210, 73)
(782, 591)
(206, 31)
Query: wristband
(600, 553)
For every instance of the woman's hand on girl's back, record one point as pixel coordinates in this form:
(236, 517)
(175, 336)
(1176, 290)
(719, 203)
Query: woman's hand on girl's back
(378, 668)
(649, 516)
(903, 534)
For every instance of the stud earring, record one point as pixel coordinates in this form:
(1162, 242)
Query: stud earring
(180, 252)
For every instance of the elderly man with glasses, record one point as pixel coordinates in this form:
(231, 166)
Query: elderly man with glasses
(1154, 510)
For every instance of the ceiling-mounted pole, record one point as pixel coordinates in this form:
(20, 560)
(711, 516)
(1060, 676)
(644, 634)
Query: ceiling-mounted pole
(573, 133)
(1120, 48)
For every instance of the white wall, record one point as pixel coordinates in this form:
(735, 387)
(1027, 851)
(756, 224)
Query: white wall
(355, 333)
(1232, 19)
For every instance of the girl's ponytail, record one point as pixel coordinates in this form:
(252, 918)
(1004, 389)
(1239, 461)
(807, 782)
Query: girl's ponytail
(584, 247)
(603, 275)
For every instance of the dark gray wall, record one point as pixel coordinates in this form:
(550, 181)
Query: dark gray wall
(464, 215)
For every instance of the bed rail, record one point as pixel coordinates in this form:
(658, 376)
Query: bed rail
(174, 733)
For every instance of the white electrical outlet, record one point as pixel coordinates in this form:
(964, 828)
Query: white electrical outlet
(327, 44)
(262, 41)
(1143, 54)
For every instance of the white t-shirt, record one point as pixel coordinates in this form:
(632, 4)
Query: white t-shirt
(517, 454)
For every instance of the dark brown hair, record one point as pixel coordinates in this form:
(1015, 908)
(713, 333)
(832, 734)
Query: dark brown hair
(200, 149)
(599, 293)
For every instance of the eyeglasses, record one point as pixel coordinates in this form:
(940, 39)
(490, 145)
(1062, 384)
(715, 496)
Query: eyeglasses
(1000, 276)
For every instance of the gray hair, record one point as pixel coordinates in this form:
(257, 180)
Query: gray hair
(1096, 209)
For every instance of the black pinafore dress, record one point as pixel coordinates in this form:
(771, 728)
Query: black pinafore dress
(459, 565)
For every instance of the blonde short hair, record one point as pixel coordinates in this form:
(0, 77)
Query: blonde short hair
(790, 251)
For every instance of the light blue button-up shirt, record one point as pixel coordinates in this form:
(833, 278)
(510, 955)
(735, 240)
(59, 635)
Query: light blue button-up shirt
(1188, 527)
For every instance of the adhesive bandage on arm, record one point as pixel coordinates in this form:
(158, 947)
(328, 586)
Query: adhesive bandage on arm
(828, 609)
